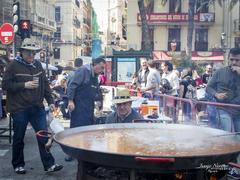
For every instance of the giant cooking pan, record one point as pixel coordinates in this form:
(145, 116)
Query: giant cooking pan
(150, 146)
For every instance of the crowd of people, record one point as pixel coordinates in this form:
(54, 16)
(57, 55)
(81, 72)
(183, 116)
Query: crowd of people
(75, 93)
(153, 79)
(156, 78)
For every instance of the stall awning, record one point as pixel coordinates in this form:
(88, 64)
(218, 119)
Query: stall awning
(161, 55)
(208, 56)
(196, 56)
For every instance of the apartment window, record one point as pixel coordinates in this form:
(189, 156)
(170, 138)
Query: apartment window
(201, 40)
(237, 42)
(57, 34)
(175, 6)
(77, 3)
(51, 23)
(56, 53)
(58, 14)
(41, 19)
(174, 34)
(202, 6)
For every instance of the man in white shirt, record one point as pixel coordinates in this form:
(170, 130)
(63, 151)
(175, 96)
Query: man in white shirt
(173, 79)
(143, 73)
(153, 80)
(171, 76)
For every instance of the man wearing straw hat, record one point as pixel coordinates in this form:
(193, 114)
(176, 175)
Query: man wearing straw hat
(26, 85)
(124, 113)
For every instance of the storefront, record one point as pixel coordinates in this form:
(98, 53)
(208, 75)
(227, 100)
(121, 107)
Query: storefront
(123, 64)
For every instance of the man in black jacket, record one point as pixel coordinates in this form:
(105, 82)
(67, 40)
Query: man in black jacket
(27, 86)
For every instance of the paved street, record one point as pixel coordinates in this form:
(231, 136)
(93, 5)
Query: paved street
(33, 163)
(32, 159)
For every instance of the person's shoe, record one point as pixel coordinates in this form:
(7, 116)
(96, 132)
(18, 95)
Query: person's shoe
(234, 174)
(20, 170)
(55, 167)
(68, 158)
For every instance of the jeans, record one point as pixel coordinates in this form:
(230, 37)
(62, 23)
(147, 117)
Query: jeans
(212, 111)
(187, 110)
(37, 117)
(228, 122)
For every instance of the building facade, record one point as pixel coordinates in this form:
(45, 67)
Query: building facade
(6, 11)
(67, 38)
(86, 27)
(42, 19)
(117, 23)
(5, 17)
(115, 36)
(40, 14)
(73, 27)
(168, 24)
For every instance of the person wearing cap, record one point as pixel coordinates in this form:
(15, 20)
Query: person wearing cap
(124, 112)
(26, 85)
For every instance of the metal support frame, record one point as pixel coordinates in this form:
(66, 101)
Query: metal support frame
(4, 129)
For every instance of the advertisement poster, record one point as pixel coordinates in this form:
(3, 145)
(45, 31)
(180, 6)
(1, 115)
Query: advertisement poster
(126, 68)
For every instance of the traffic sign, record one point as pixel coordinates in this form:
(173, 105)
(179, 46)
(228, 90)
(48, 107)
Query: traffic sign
(6, 33)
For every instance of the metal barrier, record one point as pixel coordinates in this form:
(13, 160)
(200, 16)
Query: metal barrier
(6, 130)
(184, 110)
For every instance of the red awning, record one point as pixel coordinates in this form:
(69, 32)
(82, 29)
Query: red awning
(207, 56)
(161, 55)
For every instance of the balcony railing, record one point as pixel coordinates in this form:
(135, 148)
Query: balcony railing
(76, 22)
(47, 23)
(87, 22)
(177, 18)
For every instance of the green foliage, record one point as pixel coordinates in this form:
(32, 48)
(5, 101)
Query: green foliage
(185, 61)
(181, 60)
